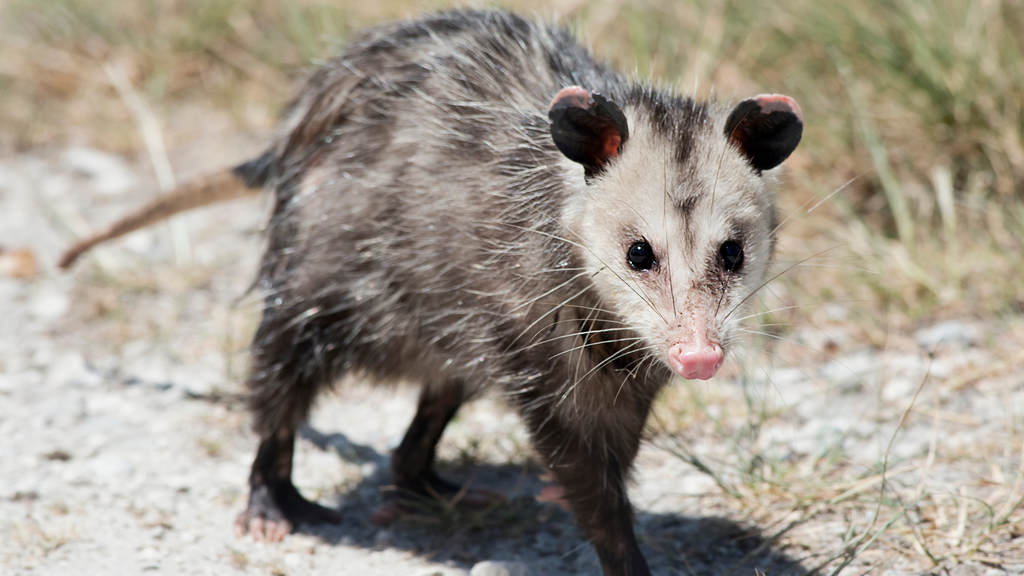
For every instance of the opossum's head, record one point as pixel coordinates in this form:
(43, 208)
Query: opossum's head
(676, 218)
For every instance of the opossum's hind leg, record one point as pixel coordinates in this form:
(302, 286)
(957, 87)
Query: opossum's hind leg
(275, 505)
(289, 368)
(412, 463)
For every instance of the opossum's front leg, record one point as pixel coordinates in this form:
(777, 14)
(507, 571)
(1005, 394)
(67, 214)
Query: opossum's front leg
(412, 463)
(590, 459)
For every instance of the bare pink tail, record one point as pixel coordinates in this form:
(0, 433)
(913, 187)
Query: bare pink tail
(218, 187)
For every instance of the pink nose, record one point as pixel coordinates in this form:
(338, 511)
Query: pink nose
(698, 362)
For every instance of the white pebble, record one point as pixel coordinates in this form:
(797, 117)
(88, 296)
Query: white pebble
(49, 304)
(495, 568)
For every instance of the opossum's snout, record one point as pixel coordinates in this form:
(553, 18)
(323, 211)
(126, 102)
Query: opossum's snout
(692, 353)
(696, 361)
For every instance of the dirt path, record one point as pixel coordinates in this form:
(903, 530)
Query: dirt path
(124, 449)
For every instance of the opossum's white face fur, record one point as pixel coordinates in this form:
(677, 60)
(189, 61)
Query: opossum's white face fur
(680, 234)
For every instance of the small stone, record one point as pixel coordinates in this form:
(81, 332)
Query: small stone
(851, 374)
(71, 369)
(145, 242)
(43, 355)
(695, 485)
(836, 312)
(110, 174)
(59, 455)
(951, 333)
(49, 304)
(110, 467)
(195, 385)
(368, 469)
(54, 185)
(495, 568)
(899, 388)
(395, 442)
(19, 264)
(545, 543)
(151, 369)
(383, 539)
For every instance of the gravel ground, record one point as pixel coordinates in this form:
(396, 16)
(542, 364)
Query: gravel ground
(125, 450)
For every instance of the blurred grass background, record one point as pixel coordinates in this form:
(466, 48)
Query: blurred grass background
(916, 104)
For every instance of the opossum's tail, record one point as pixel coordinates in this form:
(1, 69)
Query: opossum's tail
(242, 180)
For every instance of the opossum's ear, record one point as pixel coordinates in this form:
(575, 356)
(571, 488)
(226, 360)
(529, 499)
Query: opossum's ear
(587, 127)
(766, 129)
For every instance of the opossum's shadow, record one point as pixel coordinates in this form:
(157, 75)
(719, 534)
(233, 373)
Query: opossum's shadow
(542, 535)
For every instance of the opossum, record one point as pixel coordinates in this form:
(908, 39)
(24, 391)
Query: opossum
(471, 200)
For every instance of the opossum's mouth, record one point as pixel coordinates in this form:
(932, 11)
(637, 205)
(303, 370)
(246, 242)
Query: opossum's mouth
(696, 361)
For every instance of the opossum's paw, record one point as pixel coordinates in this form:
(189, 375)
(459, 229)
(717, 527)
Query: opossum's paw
(388, 512)
(553, 495)
(432, 490)
(273, 514)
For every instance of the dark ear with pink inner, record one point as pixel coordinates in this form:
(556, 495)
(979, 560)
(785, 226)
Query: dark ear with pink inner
(587, 127)
(766, 129)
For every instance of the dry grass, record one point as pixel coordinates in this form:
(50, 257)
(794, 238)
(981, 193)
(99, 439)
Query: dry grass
(922, 510)
(917, 104)
(912, 159)
(39, 540)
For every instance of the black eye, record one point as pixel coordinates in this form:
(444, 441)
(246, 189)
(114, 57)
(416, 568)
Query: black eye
(640, 255)
(732, 255)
